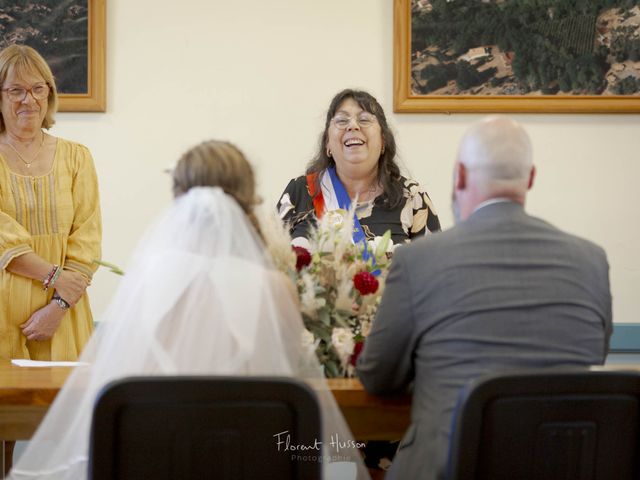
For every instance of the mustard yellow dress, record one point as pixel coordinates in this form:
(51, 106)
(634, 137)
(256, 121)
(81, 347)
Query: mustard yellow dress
(57, 216)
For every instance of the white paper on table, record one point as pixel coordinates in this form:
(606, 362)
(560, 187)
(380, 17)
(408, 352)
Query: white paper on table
(21, 362)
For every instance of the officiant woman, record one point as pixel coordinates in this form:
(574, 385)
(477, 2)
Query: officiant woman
(356, 162)
(50, 228)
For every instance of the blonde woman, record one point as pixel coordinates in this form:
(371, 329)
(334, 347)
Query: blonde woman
(50, 226)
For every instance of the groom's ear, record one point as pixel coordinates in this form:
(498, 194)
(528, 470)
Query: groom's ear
(532, 176)
(460, 181)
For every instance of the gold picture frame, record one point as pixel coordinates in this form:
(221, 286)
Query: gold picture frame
(406, 101)
(95, 98)
(78, 63)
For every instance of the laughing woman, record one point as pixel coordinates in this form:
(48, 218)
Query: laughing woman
(355, 162)
(50, 228)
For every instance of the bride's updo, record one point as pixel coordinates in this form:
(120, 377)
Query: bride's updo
(218, 164)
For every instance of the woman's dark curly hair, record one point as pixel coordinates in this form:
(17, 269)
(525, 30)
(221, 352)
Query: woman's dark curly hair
(388, 170)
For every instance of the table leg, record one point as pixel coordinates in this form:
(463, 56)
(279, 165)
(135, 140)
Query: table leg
(7, 457)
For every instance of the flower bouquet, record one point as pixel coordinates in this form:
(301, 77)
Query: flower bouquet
(339, 286)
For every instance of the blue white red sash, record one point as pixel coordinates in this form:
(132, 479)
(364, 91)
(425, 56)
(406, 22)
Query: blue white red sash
(333, 196)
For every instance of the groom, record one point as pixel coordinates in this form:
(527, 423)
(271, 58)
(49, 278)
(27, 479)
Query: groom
(500, 290)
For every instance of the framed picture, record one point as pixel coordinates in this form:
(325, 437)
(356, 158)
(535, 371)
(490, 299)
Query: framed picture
(70, 35)
(537, 56)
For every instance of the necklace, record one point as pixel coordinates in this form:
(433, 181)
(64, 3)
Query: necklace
(28, 164)
(363, 197)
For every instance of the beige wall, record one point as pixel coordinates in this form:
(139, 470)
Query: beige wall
(261, 73)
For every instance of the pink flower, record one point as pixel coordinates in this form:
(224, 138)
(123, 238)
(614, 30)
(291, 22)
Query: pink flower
(365, 283)
(303, 257)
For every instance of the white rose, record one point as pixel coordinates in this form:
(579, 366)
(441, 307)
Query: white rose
(342, 341)
(309, 343)
(307, 338)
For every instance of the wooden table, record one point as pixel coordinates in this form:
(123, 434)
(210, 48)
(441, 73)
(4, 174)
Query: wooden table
(26, 394)
(25, 397)
(371, 417)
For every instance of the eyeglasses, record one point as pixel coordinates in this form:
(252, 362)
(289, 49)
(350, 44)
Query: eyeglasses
(364, 120)
(39, 91)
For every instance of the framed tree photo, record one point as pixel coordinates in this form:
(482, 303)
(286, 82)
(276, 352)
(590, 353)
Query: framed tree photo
(538, 56)
(70, 35)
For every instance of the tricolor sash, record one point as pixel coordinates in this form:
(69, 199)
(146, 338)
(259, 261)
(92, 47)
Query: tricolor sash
(333, 196)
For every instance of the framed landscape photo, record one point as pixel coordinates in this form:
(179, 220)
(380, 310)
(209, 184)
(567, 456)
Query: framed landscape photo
(70, 35)
(538, 56)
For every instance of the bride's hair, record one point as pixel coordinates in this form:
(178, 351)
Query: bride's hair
(218, 164)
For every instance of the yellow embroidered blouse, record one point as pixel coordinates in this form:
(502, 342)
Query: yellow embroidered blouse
(57, 216)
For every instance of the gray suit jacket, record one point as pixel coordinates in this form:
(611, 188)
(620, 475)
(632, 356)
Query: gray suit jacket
(501, 290)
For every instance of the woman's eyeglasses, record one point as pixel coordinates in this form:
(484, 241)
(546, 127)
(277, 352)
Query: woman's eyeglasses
(364, 120)
(39, 91)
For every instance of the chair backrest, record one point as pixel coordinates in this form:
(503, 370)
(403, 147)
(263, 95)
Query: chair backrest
(183, 428)
(547, 425)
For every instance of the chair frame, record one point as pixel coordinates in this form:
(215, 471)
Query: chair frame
(467, 422)
(198, 390)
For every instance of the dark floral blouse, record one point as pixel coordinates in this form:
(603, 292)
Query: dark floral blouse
(413, 217)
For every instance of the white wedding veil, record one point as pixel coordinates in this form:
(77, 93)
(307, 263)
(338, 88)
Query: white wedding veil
(200, 297)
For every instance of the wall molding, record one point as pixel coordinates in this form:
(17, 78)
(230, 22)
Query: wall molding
(625, 338)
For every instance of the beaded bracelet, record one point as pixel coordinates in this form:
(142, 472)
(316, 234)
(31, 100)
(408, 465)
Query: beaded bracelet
(55, 277)
(47, 282)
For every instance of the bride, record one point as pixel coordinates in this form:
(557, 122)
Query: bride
(200, 297)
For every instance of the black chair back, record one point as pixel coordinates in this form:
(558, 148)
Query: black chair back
(188, 428)
(548, 425)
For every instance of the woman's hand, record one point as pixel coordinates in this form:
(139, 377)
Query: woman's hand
(43, 323)
(71, 286)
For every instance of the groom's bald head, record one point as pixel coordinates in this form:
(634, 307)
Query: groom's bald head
(494, 160)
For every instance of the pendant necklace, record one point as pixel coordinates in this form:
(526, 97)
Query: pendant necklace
(28, 164)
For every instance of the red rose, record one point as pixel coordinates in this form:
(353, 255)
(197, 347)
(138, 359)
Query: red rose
(357, 348)
(365, 283)
(303, 257)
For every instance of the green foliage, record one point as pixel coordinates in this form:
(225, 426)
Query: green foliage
(467, 75)
(553, 41)
(575, 33)
(112, 267)
(623, 47)
(438, 75)
(627, 86)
